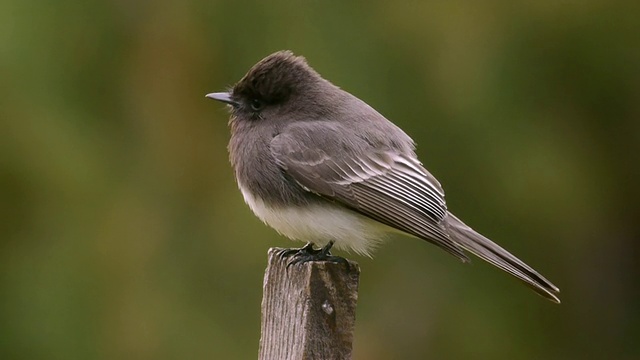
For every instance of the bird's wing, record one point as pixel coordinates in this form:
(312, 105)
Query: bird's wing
(379, 182)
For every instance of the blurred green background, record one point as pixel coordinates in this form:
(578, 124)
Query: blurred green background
(124, 236)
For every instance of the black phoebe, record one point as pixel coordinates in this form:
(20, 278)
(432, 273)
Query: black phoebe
(320, 165)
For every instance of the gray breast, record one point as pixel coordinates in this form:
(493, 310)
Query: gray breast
(258, 173)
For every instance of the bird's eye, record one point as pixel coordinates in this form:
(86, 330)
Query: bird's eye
(256, 105)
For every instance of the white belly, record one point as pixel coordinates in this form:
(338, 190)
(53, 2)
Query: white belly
(321, 223)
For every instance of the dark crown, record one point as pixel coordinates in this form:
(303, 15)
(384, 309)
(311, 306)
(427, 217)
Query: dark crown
(275, 77)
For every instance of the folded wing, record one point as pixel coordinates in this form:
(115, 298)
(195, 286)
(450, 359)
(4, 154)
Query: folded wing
(384, 184)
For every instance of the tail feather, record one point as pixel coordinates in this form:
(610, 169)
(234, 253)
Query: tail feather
(491, 252)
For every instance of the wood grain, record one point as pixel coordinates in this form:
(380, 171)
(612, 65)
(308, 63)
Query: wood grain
(308, 310)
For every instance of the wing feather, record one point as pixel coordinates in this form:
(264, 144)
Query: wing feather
(386, 185)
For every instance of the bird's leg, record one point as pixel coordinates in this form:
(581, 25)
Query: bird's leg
(308, 253)
(326, 249)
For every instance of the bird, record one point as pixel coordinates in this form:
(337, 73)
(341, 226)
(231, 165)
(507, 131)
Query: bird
(318, 164)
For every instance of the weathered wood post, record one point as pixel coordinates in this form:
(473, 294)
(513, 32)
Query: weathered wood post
(308, 310)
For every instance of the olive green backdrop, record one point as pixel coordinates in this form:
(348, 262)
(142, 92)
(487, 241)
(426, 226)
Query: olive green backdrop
(123, 235)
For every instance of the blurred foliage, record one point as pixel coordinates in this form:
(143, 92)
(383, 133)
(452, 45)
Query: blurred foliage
(123, 234)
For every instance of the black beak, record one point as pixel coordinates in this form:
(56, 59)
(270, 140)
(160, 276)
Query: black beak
(224, 97)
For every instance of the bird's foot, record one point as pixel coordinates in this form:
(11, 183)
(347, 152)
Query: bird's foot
(305, 250)
(308, 253)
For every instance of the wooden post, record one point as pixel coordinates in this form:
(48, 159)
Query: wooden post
(308, 310)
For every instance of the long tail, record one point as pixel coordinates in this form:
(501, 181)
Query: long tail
(491, 252)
